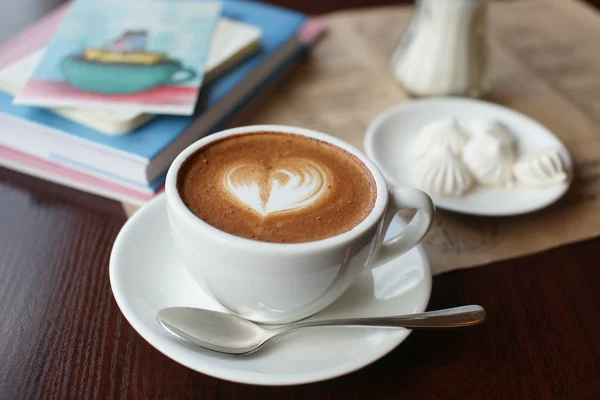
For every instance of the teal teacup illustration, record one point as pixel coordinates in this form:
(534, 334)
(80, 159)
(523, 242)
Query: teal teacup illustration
(123, 78)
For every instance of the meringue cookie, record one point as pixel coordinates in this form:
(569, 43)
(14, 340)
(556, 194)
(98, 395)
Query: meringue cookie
(442, 172)
(495, 129)
(442, 133)
(541, 169)
(489, 160)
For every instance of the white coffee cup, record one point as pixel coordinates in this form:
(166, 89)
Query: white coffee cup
(277, 283)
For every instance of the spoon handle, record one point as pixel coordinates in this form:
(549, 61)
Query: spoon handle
(447, 318)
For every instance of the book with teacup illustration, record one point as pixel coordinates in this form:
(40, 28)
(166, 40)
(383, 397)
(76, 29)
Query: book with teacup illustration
(233, 42)
(142, 56)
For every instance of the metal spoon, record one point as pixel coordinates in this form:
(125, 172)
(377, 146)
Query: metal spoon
(228, 333)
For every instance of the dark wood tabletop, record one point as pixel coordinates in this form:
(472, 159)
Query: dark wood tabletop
(62, 335)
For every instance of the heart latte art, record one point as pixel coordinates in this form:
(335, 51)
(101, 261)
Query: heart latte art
(291, 184)
(276, 187)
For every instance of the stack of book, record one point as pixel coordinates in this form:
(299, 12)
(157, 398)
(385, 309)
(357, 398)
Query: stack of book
(117, 138)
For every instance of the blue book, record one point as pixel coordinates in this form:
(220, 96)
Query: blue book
(141, 158)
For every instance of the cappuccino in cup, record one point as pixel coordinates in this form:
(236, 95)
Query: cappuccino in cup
(276, 222)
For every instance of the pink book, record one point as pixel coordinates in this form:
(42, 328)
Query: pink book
(65, 176)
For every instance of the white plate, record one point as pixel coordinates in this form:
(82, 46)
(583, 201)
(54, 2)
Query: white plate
(390, 136)
(145, 277)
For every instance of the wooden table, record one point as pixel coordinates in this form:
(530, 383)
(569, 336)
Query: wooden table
(63, 336)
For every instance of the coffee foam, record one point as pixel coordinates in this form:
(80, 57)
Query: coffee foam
(290, 184)
(277, 187)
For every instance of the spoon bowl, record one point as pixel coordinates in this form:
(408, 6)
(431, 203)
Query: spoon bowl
(222, 332)
(230, 334)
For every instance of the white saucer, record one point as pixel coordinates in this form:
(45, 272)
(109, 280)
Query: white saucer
(145, 277)
(390, 136)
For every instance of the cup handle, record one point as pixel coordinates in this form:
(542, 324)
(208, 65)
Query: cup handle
(189, 75)
(403, 198)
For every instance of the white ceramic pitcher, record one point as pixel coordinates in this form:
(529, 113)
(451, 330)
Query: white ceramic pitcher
(444, 51)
